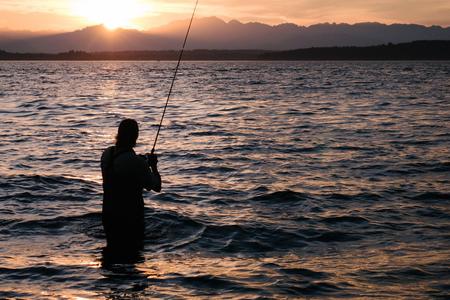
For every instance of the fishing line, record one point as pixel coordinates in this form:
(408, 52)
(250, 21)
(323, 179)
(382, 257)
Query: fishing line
(174, 77)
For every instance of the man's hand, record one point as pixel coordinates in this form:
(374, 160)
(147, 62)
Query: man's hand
(152, 160)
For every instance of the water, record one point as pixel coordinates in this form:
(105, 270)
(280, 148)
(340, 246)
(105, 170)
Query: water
(308, 179)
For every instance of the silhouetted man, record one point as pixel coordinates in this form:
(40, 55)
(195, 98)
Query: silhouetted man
(125, 175)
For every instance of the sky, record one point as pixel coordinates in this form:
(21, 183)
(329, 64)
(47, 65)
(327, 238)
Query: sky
(63, 15)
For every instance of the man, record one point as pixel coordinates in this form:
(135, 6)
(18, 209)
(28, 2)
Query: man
(125, 175)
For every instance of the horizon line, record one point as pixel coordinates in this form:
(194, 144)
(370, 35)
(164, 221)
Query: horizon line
(261, 51)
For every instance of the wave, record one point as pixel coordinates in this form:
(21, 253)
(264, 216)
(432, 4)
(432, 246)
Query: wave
(351, 148)
(24, 273)
(170, 229)
(419, 168)
(27, 197)
(281, 196)
(308, 288)
(208, 169)
(167, 230)
(354, 197)
(170, 197)
(344, 219)
(32, 188)
(306, 149)
(54, 226)
(249, 239)
(431, 212)
(39, 181)
(214, 283)
(409, 273)
(304, 273)
(15, 295)
(334, 236)
(431, 196)
(212, 133)
(185, 155)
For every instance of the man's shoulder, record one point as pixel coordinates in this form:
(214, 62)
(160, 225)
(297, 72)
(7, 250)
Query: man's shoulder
(130, 157)
(138, 159)
(130, 163)
(108, 151)
(107, 157)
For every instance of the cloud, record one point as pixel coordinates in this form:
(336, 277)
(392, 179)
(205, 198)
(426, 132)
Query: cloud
(316, 11)
(25, 6)
(303, 12)
(38, 21)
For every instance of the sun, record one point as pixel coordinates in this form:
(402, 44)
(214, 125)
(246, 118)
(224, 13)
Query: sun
(111, 13)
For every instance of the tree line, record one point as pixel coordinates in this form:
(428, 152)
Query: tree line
(418, 50)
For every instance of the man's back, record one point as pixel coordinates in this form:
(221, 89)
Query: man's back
(125, 175)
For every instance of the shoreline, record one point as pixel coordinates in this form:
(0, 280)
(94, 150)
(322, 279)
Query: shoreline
(413, 51)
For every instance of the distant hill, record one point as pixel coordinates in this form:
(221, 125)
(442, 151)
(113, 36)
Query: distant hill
(214, 33)
(20, 34)
(419, 50)
(9, 36)
(94, 38)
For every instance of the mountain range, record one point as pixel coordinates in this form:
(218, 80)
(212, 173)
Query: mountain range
(214, 33)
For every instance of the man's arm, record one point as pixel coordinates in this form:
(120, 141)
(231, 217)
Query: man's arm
(154, 166)
(152, 179)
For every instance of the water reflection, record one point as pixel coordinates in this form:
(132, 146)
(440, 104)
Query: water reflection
(288, 188)
(121, 275)
(112, 256)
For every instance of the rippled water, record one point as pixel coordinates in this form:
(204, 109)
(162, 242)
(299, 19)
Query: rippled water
(281, 179)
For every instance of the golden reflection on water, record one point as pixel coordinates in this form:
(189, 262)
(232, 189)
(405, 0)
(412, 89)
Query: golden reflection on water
(360, 271)
(214, 143)
(348, 268)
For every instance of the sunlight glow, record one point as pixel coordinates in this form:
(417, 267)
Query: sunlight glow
(111, 13)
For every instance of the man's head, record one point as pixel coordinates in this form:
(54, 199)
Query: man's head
(127, 134)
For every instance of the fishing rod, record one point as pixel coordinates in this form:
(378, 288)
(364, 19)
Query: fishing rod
(174, 77)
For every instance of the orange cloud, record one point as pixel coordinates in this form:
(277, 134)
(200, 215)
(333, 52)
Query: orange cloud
(57, 14)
